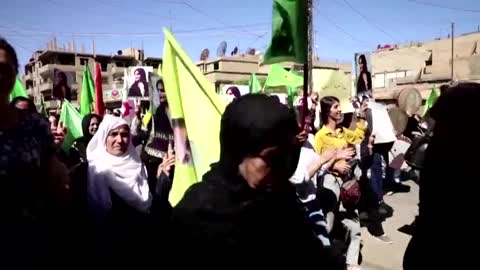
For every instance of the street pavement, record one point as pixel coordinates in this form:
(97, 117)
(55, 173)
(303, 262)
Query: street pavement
(380, 256)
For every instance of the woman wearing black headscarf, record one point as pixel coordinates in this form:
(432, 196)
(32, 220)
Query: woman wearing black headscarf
(445, 226)
(61, 90)
(35, 187)
(78, 151)
(23, 103)
(245, 207)
(233, 91)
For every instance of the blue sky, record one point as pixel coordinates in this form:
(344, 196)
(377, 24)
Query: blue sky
(340, 29)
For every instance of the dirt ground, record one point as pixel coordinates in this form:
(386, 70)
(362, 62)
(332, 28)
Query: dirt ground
(380, 256)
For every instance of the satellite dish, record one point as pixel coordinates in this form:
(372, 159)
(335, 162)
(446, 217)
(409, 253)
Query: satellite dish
(204, 55)
(235, 51)
(222, 48)
(251, 51)
(409, 100)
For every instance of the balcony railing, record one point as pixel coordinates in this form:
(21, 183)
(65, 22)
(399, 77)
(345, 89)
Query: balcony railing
(28, 76)
(118, 70)
(46, 69)
(46, 86)
(52, 104)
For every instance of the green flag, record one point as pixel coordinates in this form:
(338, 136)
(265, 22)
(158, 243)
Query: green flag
(430, 101)
(18, 90)
(43, 111)
(254, 84)
(72, 120)
(278, 76)
(88, 92)
(289, 32)
(291, 92)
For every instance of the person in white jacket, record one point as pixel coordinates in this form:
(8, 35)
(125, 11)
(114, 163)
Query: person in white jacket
(385, 136)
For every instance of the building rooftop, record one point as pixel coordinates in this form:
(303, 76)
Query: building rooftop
(150, 58)
(235, 58)
(392, 47)
(256, 59)
(45, 54)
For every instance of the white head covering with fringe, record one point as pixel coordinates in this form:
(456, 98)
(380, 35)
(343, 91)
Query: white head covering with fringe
(125, 175)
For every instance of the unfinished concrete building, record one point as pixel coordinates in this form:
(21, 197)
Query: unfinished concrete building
(40, 72)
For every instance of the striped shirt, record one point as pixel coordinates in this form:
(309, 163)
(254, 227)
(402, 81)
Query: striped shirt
(307, 192)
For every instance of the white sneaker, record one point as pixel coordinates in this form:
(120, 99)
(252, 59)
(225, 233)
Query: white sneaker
(384, 239)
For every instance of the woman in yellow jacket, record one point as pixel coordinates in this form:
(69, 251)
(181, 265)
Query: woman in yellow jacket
(332, 136)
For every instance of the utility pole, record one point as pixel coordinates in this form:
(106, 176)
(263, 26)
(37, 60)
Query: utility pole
(310, 46)
(307, 66)
(170, 17)
(453, 51)
(93, 48)
(142, 55)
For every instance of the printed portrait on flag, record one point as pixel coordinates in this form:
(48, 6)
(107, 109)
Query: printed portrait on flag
(157, 120)
(62, 85)
(137, 82)
(183, 151)
(157, 90)
(363, 74)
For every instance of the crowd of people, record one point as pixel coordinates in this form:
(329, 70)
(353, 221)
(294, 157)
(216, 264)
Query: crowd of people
(282, 191)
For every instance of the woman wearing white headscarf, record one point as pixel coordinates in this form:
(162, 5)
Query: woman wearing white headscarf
(113, 201)
(115, 169)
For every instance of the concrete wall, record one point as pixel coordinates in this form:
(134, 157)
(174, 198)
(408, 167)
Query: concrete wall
(230, 69)
(238, 66)
(328, 82)
(408, 65)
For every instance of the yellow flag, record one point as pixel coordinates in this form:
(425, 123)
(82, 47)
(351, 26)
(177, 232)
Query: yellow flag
(146, 118)
(334, 83)
(159, 71)
(195, 109)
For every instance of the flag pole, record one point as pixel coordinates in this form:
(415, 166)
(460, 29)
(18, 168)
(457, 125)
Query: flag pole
(307, 66)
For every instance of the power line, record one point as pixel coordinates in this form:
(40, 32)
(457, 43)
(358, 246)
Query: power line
(324, 16)
(343, 30)
(105, 34)
(369, 21)
(444, 7)
(186, 3)
(150, 13)
(350, 35)
(17, 44)
(91, 10)
(88, 34)
(258, 39)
